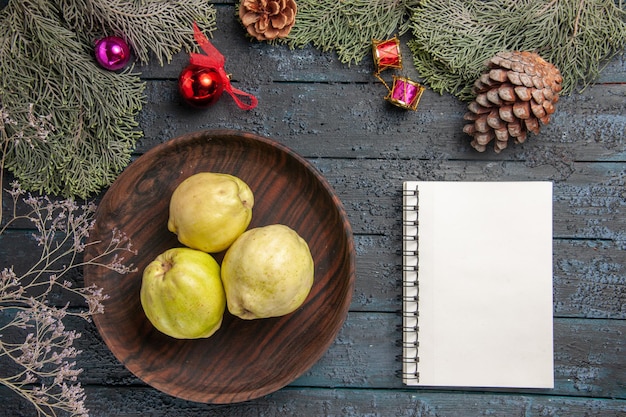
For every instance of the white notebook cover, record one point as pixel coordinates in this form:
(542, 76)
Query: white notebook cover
(477, 272)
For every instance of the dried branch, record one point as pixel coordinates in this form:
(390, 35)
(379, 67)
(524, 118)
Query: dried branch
(36, 349)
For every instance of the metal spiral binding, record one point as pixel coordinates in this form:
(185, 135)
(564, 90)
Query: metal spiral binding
(410, 193)
(410, 292)
(409, 268)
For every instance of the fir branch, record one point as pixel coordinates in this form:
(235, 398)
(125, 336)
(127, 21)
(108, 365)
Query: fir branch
(348, 27)
(157, 27)
(453, 38)
(49, 69)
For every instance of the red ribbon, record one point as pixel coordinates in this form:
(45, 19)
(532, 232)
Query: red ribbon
(215, 60)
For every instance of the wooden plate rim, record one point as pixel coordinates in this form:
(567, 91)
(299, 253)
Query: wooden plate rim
(347, 230)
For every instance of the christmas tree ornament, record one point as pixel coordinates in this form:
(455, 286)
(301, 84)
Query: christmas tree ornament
(515, 95)
(405, 93)
(200, 86)
(93, 111)
(387, 54)
(268, 19)
(204, 80)
(347, 27)
(112, 53)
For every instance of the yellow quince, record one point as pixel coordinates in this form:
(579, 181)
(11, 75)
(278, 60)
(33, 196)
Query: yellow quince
(267, 272)
(209, 210)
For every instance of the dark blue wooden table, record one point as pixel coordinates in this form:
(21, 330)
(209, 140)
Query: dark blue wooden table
(335, 116)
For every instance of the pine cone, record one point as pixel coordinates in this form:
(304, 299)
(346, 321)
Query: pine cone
(514, 96)
(268, 19)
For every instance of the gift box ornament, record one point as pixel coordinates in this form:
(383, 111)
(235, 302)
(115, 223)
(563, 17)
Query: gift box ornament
(387, 54)
(405, 93)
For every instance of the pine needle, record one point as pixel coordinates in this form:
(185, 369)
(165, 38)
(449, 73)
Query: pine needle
(348, 27)
(151, 27)
(47, 70)
(454, 38)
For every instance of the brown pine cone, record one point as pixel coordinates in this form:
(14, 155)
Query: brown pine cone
(268, 19)
(514, 96)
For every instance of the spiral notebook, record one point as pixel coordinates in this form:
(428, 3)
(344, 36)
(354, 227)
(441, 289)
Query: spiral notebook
(477, 284)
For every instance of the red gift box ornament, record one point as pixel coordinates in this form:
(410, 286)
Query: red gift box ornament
(405, 93)
(387, 54)
(203, 81)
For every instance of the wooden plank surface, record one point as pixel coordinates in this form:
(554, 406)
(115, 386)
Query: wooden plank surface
(296, 402)
(588, 359)
(588, 274)
(335, 115)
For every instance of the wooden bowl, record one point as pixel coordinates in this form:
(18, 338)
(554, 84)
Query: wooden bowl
(243, 359)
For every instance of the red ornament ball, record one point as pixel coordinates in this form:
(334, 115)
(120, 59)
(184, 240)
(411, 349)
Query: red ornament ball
(112, 53)
(200, 86)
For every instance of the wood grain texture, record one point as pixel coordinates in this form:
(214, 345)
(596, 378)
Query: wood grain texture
(105, 401)
(588, 126)
(244, 359)
(357, 403)
(589, 274)
(588, 359)
(364, 355)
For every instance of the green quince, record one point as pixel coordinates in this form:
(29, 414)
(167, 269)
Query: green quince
(182, 293)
